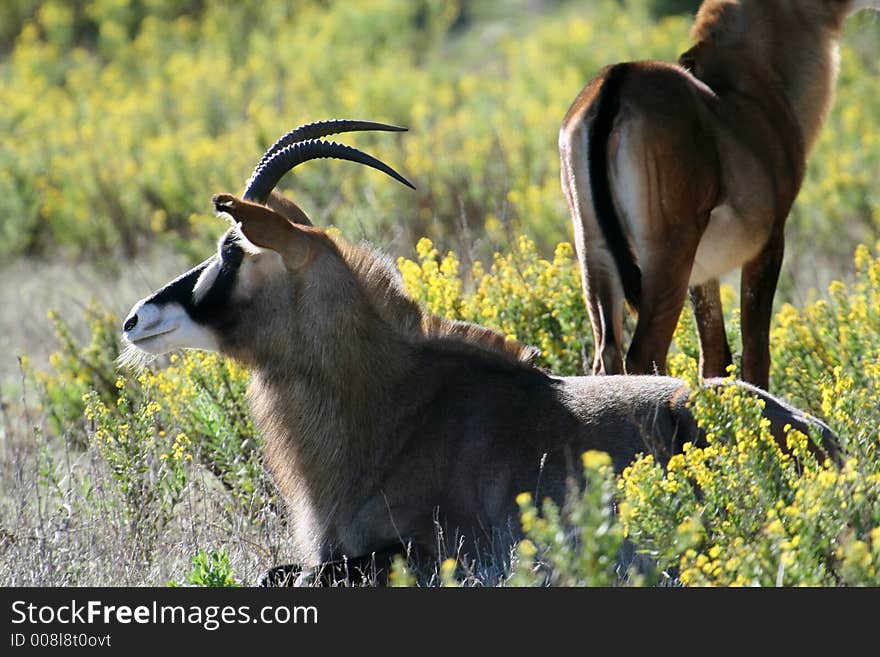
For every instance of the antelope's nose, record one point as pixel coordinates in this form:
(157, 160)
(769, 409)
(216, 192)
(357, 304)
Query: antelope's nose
(130, 323)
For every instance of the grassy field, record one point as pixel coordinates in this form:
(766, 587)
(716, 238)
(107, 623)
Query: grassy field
(121, 120)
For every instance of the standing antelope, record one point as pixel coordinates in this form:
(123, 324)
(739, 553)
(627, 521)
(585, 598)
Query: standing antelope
(676, 175)
(381, 421)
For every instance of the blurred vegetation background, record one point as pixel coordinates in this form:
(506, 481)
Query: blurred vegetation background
(122, 117)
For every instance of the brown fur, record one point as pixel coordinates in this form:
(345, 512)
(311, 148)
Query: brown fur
(703, 167)
(381, 283)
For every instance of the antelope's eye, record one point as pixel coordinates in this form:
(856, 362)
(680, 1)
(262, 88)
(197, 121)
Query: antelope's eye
(231, 253)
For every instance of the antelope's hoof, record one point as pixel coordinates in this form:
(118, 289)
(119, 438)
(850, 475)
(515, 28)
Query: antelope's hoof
(283, 576)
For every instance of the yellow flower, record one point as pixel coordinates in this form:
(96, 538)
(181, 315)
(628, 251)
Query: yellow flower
(595, 460)
(527, 549)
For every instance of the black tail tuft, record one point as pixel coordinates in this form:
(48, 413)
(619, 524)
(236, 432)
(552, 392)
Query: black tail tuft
(607, 107)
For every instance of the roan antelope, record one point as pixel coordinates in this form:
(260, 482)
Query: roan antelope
(677, 174)
(382, 422)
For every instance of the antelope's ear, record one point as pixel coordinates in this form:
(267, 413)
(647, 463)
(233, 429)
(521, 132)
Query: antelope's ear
(266, 229)
(689, 59)
(699, 58)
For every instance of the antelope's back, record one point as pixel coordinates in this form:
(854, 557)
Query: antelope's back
(491, 429)
(630, 415)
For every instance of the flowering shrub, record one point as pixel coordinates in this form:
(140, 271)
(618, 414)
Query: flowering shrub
(150, 427)
(137, 452)
(530, 299)
(739, 511)
(202, 400)
(78, 369)
(122, 118)
(742, 512)
(578, 544)
(827, 356)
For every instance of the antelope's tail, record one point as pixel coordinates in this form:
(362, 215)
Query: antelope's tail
(606, 108)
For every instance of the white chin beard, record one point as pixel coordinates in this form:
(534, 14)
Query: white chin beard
(133, 358)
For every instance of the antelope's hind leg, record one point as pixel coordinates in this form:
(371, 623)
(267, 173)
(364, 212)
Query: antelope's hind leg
(663, 297)
(666, 223)
(759, 279)
(715, 354)
(662, 174)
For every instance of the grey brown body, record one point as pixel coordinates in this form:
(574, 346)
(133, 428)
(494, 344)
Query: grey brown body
(676, 175)
(453, 439)
(465, 435)
(382, 423)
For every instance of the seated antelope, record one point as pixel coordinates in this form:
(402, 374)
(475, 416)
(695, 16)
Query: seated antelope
(677, 174)
(380, 421)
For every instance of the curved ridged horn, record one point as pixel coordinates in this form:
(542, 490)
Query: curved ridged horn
(319, 129)
(266, 176)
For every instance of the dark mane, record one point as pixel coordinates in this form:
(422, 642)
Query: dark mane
(382, 284)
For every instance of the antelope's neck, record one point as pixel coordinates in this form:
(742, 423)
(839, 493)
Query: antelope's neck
(327, 424)
(807, 71)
